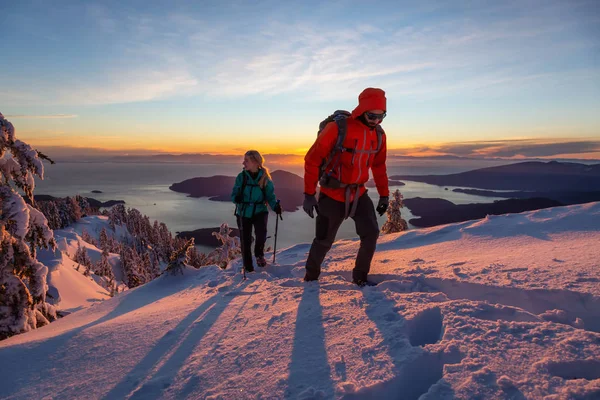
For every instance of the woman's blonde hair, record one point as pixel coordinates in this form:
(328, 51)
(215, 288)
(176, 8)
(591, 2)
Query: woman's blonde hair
(255, 155)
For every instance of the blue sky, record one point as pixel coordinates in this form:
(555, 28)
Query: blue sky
(226, 76)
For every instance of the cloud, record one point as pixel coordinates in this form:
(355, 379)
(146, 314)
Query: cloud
(55, 116)
(101, 16)
(487, 49)
(542, 149)
(129, 86)
(92, 152)
(508, 148)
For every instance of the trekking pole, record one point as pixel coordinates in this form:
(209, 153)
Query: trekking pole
(241, 227)
(277, 217)
(242, 244)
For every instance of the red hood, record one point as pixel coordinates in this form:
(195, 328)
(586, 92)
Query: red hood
(370, 99)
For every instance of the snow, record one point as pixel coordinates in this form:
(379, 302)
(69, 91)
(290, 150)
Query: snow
(504, 307)
(14, 209)
(72, 290)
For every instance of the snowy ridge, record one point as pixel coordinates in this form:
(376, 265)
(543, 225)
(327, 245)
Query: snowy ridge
(69, 289)
(504, 307)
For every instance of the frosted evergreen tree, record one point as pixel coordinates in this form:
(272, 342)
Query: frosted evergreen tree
(229, 249)
(84, 206)
(155, 235)
(111, 222)
(395, 222)
(196, 258)
(64, 213)
(133, 270)
(102, 267)
(86, 237)
(154, 267)
(103, 240)
(147, 230)
(50, 211)
(166, 243)
(117, 216)
(74, 210)
(22, 229)
(82, 257)
(180, 258)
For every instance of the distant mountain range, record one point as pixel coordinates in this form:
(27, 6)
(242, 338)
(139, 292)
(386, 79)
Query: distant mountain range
(550, 176)
(434, 212)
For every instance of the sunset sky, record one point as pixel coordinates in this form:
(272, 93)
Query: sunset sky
(468, 78)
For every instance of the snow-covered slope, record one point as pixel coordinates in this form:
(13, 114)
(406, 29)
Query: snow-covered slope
(505, 307)
(69, 289)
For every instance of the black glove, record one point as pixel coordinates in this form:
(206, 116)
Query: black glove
(238, 198)
(310, 202)
(277, 209)
(382, 205)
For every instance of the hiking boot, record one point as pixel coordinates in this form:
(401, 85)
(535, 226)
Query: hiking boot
(249, 269)
(261, 262)
(308, 278)
(363, 282)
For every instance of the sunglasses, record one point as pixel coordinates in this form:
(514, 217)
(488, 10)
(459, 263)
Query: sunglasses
(373, 116)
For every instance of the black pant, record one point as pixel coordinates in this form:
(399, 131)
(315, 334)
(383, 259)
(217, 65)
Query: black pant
(259, 222)
(329, 219)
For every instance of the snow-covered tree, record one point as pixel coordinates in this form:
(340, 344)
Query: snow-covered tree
(179, 258)
(229, 250)
(22, 228)
(84, 206)
(117, 216)
(86, 237)
(103, 239)
(103, 268)
(154, 264)
(50, 211)
(134, 272)
(196, 258)
(73, 209)
(82, 257)
(64, 213)
(395, 222)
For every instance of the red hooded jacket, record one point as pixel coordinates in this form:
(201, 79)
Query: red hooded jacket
(353, 166)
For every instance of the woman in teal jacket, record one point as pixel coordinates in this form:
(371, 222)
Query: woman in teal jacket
(252, 190)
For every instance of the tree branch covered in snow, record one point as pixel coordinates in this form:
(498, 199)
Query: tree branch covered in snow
(23, 228)
(395, 222)
(229, 250)
(179, 258)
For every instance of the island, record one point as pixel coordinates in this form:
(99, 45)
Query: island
(289, 188)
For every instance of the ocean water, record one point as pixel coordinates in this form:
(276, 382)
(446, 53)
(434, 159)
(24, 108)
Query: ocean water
(145, 186)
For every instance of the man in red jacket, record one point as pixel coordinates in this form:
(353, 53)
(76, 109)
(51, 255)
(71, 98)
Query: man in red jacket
(343, 193)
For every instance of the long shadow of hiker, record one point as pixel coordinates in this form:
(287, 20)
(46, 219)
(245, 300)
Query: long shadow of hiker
(57, 348)
(177, 344)
(310, 372)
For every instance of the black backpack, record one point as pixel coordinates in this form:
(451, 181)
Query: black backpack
(340, 117)
(263, 189)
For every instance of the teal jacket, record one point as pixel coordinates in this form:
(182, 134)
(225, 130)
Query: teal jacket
(253, 199)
